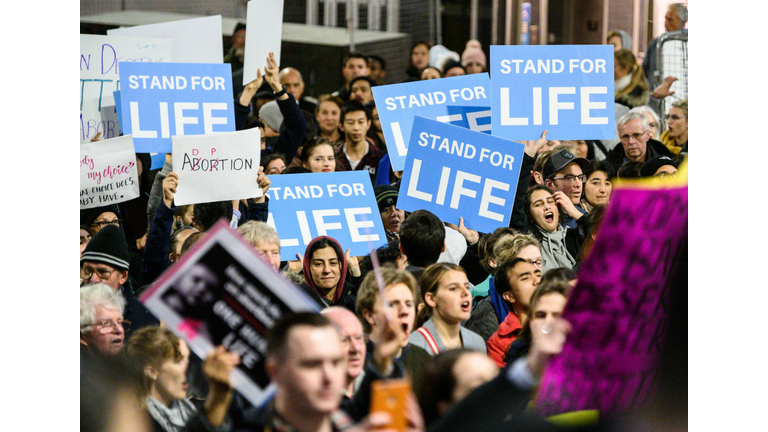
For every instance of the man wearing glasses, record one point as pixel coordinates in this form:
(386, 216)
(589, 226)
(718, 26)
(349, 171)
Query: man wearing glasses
(102, 327)
(563, 174)
(636, 142)
(105, 260)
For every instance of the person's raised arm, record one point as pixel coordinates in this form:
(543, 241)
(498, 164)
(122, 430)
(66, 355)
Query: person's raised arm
(517, 219)
(218, 367)
(295, 126)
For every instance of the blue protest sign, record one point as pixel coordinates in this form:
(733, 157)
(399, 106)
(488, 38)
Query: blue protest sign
(455, 172)
(565, 89)
(463, 101)
(341, 205)
(160, 100)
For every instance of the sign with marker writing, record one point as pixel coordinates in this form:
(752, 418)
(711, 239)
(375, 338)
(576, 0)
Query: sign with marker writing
(341, 205)
(565, 89)
(456, 172)
(99, 77)
(462, 101)
(108, 172)
(221, 293)
(196, 40)
(220, 166)
(267, 17)
(620, 308)
(160, 100)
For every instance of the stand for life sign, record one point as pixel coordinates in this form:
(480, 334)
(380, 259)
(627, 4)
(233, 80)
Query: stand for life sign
(160, 100)
(567, 90)
(341, 205)
(461, 101)
(455, 172)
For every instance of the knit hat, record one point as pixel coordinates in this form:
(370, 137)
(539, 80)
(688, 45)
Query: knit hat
(271, 116)
(87, 216)
(386, 196)
(559, 160)
(473, 54)
(652, 165)
(108, 246)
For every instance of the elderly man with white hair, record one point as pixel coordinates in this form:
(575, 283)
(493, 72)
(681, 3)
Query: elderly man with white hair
(102, 327)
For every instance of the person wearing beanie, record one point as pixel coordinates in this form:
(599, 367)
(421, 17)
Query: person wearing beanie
(391, 217)
(660, 166)
(473, 60)
(106, 260)
(270, 115)
(97, 218)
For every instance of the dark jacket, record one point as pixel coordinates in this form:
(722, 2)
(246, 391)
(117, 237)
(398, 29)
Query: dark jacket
(653, 148)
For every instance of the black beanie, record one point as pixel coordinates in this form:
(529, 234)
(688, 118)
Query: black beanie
(108, 246)
(386, 196)
(87, 216)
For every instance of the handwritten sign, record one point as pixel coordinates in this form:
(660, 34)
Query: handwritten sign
(108, 172)
(462, 101)
(99, 77)
(222, 293)
(620, 307)
(160, 100)
(221, 166)
(565, 89)
(267, 17)
(196, 40)
(341, 205)
(456, 172)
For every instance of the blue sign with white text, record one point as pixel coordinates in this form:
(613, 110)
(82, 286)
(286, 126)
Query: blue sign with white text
(160, 100)
(463, 101)
(455, 172)
(565, 89)
(341, 205)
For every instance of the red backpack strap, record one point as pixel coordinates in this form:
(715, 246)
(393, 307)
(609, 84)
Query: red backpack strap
(430, 340)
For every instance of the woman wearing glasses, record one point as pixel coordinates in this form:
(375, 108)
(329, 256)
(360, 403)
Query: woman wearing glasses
(676, 135)
(163, 360)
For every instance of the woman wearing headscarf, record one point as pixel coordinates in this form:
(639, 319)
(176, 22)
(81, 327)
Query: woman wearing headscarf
(325, 272)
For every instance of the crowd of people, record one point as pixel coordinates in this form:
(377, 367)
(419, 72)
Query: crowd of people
(470, 318)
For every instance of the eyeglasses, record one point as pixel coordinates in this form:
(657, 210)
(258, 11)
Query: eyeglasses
(538, 263)
(635, 136)
(102, 273)
(102, 224)
(107, 326)
(673, 117)
(571, 178)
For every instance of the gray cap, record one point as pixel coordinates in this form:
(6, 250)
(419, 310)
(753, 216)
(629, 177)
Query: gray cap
(270, 115)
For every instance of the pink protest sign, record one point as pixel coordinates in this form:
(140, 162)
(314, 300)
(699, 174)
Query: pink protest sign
(619, 309)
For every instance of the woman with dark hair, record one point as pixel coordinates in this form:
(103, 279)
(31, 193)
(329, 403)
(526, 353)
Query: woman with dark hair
(447, 303)
(163, 359)
(317, 155)
(274, 163)
(325, 267)
(419, 60)
(597, 186)
(559, 245)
